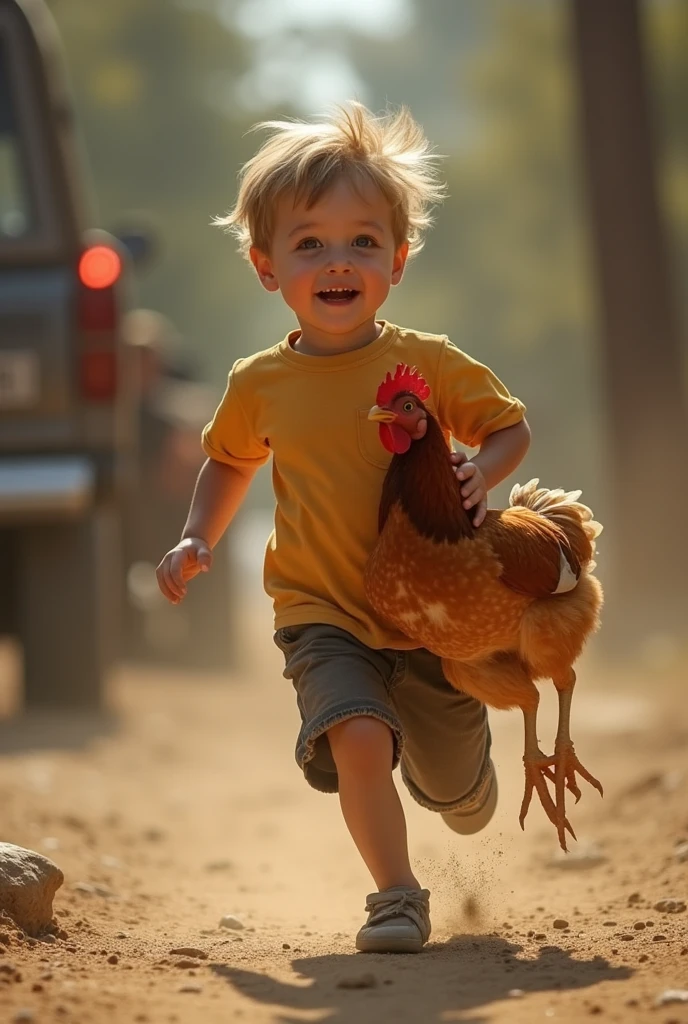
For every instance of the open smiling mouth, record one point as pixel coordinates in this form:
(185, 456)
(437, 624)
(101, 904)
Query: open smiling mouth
(337, 296)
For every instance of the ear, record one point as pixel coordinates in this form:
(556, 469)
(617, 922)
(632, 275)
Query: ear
(264, 269)
(400, 257)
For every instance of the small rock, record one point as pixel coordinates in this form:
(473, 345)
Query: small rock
(192, 989)
(643, 958)
(515, 993)
(681, 853)
(672, 995)
(639, 926)
(659, 938)
(560, 923)
(285, 945)
(28, 883)
(24, 1017)
(113, 959)
(635, 897)
(670, 906)
(185, 964)
(230, 921)
(358, 981)
(609, 924)
(540, 936)
(5, 939)
(189, 951)
(626, 937)
(219, 865)
(153, 835)
(49, 939)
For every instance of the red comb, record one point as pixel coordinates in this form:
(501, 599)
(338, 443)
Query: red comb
(406, 378)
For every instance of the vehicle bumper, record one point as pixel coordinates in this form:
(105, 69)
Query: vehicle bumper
(57, 487)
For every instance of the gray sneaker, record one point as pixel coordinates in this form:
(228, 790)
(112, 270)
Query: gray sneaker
(398, 921)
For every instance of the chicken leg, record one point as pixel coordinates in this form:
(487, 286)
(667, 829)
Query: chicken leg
(565, 762)
(538, 767)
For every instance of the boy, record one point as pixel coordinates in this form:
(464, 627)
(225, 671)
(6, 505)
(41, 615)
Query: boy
(328, 215)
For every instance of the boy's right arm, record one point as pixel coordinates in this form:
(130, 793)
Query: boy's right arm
(220, 490)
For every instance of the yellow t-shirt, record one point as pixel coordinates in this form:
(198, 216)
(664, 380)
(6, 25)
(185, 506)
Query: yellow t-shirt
(311, 414)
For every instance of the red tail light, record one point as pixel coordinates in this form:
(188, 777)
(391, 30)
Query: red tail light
(99, 267)
(99, 270)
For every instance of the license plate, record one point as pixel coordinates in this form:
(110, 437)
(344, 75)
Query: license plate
(19, 379)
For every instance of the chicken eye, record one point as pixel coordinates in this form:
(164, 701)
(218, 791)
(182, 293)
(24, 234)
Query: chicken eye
(408, 406)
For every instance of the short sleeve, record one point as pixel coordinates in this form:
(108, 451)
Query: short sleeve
(230, 436)
(473, 403)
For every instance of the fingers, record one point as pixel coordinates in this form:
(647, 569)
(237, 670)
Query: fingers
(458, 458)
(180, 565)
(480, 512)
(170, 574)
(473, 492)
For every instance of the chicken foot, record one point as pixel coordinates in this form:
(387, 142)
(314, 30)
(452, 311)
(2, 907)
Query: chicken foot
(538, 769)
(560, 769)
(565, 762)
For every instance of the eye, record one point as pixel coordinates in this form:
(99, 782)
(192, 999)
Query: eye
(408, 406)
(364, 242)
(309, 243)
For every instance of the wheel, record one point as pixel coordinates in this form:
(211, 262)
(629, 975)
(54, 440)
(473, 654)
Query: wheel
(69, 609)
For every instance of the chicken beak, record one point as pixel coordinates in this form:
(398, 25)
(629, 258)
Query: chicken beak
(379, 415)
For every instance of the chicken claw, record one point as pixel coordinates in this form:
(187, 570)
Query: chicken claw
(537, 771)
(566, 764)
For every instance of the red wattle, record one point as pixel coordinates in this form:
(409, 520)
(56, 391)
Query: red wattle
(394, 439)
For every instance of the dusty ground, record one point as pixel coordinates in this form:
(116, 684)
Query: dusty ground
(187, 806)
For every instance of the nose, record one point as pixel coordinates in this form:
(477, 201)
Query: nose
(339, 261)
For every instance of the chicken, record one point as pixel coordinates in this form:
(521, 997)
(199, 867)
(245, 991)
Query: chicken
(503, 605)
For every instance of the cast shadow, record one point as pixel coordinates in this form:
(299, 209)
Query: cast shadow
(447, 981)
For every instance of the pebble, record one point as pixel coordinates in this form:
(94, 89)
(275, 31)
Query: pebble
(285, 945)
(183, 964)
(560, 923)
(670, 906)
(113, 959)
(639, 926)
(24, 1017)
(230, 921)
(193, 989)
(358, 981)
(681, 853)
(515, 993)
(189, 951)
(672, 995)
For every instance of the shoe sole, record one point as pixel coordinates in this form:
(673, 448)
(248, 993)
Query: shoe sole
(397, 945)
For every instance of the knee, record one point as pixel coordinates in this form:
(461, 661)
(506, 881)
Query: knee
(362, 746)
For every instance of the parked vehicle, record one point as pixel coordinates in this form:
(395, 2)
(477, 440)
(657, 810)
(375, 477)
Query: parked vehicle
(67, 416)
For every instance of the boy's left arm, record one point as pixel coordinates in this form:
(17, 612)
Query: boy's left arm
(500, 453)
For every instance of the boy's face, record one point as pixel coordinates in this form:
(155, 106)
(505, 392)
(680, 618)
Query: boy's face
(334, 263)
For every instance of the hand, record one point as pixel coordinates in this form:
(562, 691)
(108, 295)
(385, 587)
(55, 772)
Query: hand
(474, 491)
(181, 564)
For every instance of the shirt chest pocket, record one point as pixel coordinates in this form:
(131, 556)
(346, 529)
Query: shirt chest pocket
(369, 443)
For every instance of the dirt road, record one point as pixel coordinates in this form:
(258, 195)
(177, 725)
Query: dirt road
(187, 806)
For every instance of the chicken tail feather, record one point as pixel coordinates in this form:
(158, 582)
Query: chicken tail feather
(564, 509)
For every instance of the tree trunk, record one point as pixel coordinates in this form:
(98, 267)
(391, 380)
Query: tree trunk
(644, 552)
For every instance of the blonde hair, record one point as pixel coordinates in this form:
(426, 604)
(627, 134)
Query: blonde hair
(305, 159)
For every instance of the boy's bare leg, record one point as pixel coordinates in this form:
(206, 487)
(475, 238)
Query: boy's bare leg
(363, 750)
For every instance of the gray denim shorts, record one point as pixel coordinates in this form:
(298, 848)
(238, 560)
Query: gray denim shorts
(442, 736)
